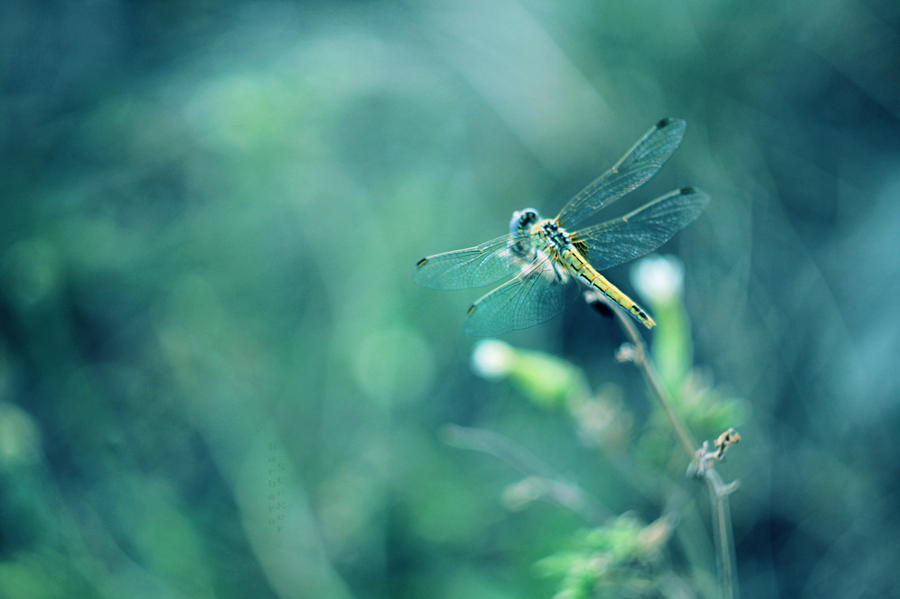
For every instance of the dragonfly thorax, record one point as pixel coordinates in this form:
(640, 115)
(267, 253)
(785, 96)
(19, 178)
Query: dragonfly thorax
(557, 236)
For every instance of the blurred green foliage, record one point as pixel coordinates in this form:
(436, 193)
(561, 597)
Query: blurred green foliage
(622, 559)
(614, 560)
(217, 378)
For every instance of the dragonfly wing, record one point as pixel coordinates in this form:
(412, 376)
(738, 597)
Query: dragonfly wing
(474, 267)
(633, 170)
(643, 230)
(537, 294)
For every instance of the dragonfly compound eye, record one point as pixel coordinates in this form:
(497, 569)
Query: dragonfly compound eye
(522, 220)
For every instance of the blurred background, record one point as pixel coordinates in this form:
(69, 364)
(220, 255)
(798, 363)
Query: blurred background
(218, 379)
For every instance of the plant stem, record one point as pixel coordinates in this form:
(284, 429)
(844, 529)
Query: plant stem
(725, 557)
(726, 561)
(645, 363)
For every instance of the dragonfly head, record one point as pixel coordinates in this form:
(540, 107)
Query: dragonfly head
(522, 221)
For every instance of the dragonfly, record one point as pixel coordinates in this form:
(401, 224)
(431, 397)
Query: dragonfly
(550, 265)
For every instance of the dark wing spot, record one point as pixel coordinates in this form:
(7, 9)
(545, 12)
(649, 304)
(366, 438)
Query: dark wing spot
(687, 190)
(663, 123)
(421, 262)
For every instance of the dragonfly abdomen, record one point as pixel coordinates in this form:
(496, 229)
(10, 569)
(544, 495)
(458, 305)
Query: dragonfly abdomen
(584, 272)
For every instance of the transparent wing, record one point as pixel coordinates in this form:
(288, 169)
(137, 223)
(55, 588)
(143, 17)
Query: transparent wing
(537, 294)
(477, 266)
(637, 233)
(633, 170)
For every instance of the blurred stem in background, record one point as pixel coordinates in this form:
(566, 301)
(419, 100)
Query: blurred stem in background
(605, 566)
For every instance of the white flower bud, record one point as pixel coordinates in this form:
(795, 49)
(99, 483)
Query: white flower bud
(492, 359)
(658, 278)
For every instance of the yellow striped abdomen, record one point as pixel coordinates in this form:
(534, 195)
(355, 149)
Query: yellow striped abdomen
(584, 272)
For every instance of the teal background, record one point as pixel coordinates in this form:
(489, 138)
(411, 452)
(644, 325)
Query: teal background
(210, 216)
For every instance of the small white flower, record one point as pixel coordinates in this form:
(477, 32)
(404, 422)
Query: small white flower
(658, 278)
(492, 359)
